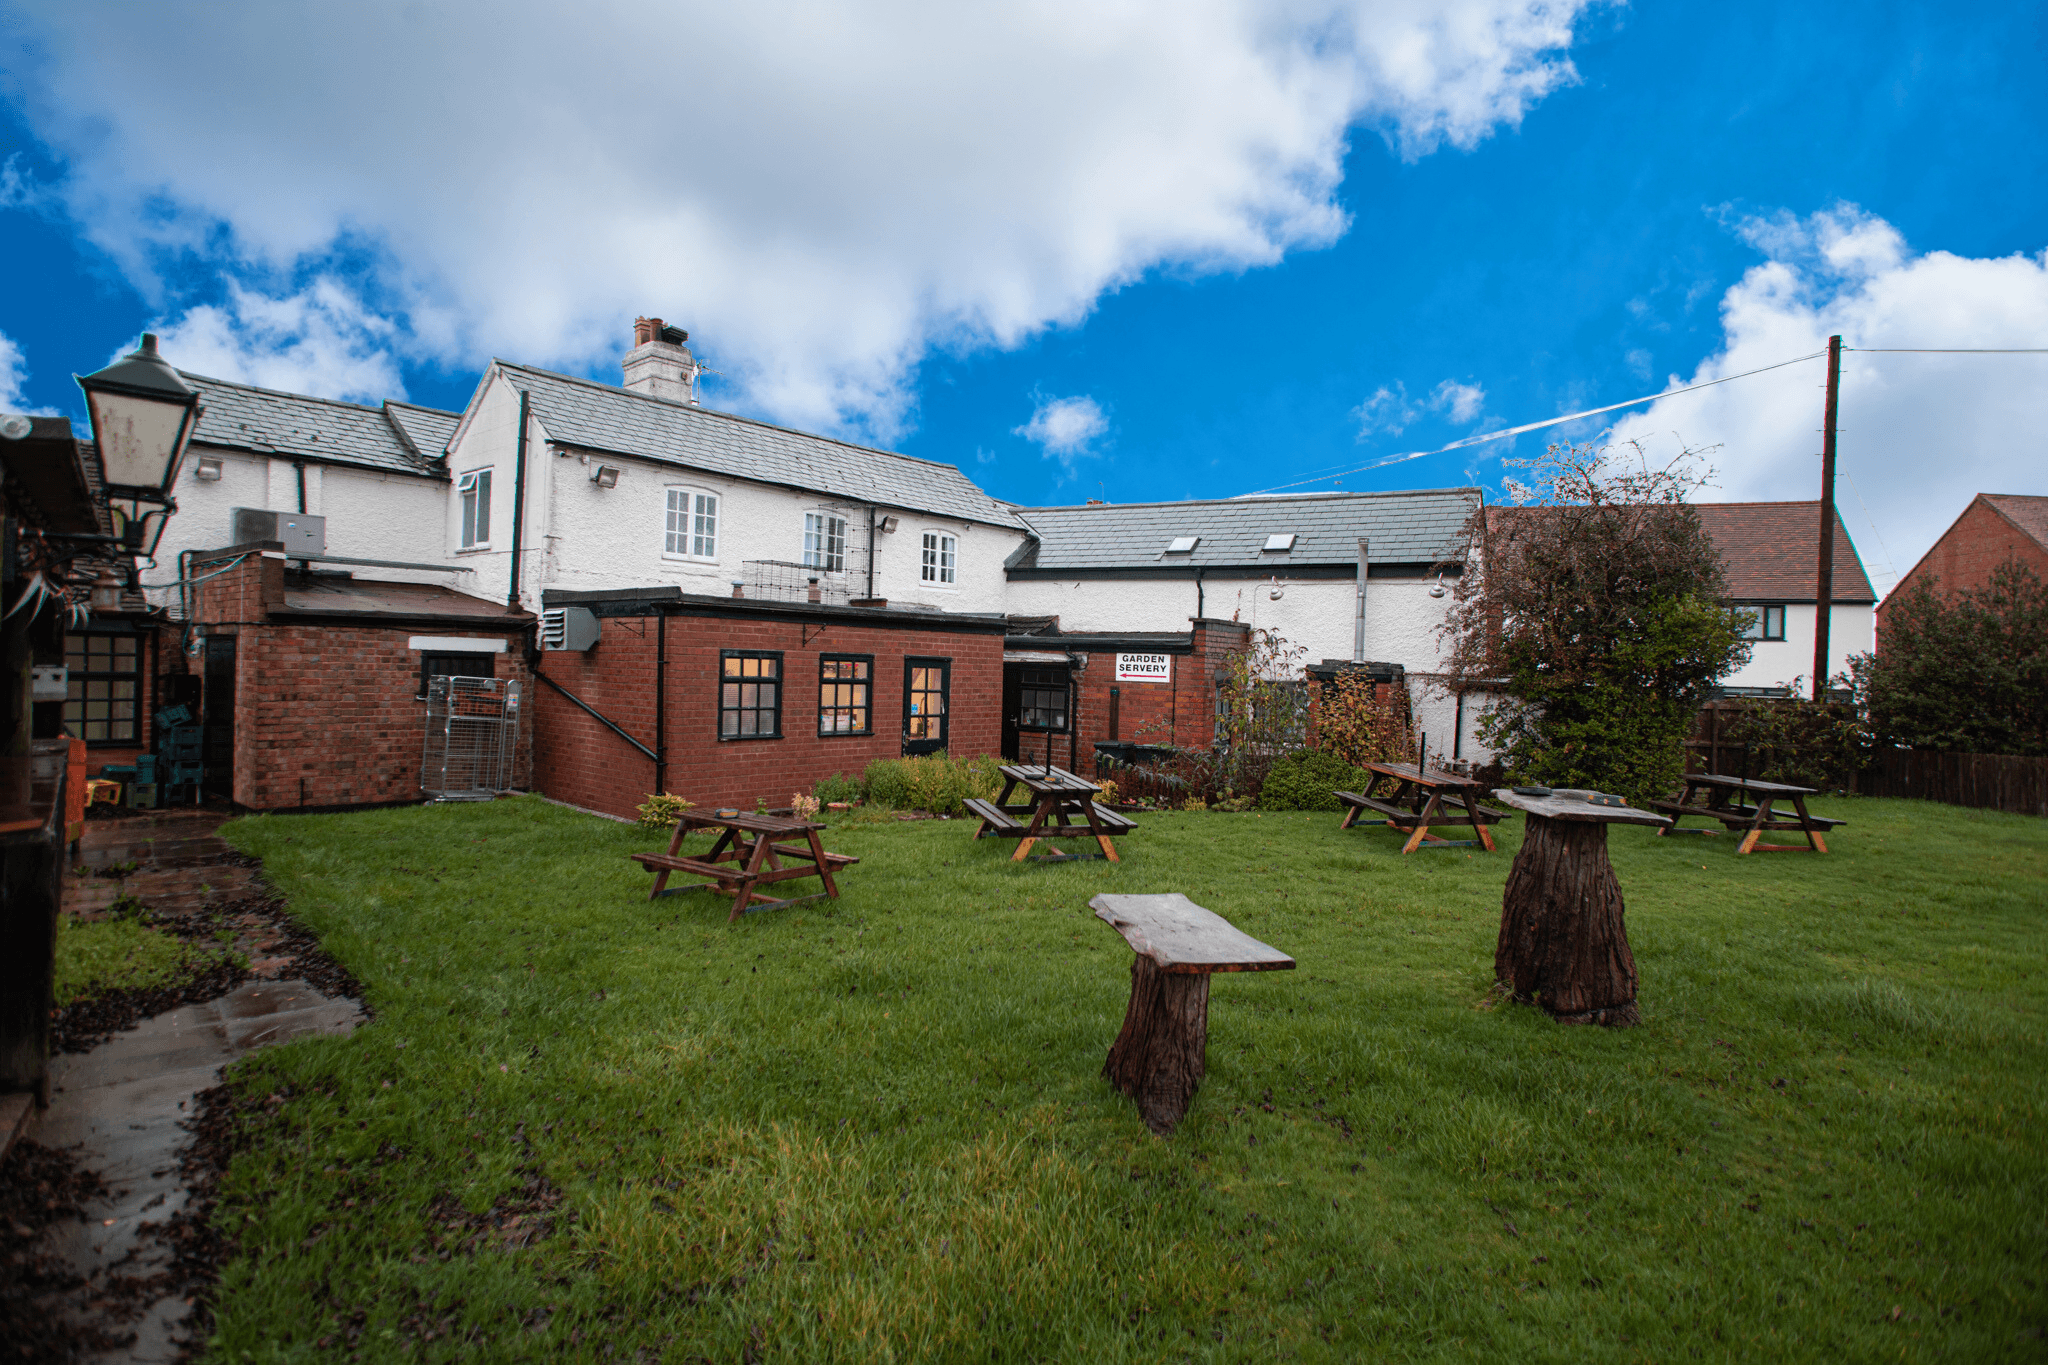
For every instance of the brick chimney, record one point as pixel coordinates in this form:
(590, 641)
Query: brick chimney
(660, 363)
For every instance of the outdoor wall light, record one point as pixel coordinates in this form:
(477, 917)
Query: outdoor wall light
(605, 476)
(1438, 589)
(143, 416)
(887, 526)
(106, 592)
(15, 427)
(139, 523)
(209, 469)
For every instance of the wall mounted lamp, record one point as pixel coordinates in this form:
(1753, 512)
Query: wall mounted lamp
(209, 469)
(1438, 589)
(605, 476)
(887, 526)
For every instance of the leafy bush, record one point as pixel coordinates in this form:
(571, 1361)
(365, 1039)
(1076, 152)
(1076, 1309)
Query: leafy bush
(1807, 743)
(838, 788)
(662, 812)
(1962, 673)
(1309, 780)
(937, 783)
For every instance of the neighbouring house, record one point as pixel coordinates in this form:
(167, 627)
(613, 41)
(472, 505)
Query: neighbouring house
(1772, 553)
(1994, 528)
(1140, 597)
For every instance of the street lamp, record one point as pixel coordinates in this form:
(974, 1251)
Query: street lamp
(140, 524)
(142, 417)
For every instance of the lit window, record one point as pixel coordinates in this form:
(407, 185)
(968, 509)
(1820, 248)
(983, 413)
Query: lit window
(104, 701)
(940, 553)
(475, 488)
(824, 542)
(843, 682)
(926, 686)
(750, 694)
(1765, 623)
(692, 524)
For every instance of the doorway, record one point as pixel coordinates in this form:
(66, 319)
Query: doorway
(1037, 705)
(220, 717)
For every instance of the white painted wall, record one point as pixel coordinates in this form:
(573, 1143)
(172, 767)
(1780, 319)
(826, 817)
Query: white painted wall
(370, 514)
(1852, 629)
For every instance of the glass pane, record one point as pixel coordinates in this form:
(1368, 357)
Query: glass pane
(75, 688)
(124, 647)
(124, 691)
(732, 668)
(97, 710)
(74, 654)
(123, 729)
(728, 723)
(860, 719)
(96, 689)
(95, 729)
(729, 696)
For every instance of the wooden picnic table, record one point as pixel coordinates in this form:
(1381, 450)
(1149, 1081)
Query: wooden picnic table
(1720, 804)
(750, 853)
(1410, 798)
(1061, 806)
(1563, 942)
(1159, 1057)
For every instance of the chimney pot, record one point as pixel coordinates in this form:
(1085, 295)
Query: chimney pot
(660, 362)
(739, 587)
(816, 595)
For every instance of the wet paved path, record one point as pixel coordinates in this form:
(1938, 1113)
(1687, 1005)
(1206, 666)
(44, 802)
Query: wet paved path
(118, 1107)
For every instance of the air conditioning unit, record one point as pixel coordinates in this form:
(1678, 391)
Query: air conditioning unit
(300, 533)
(574, 628)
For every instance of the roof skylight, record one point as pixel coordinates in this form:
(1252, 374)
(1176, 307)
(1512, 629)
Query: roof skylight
(1183, 545)
(1280, 542)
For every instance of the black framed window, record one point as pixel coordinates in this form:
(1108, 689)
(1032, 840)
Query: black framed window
(1042, 699)
(750, 694)
(926, 690)
(1765, 623)
(845, 686)
(456, 664)
(104, 702)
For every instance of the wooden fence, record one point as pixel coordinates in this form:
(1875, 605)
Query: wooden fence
(1708, 749)
(1993, 781)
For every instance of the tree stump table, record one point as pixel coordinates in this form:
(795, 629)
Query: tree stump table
(1563, 943)
(1159, 1057)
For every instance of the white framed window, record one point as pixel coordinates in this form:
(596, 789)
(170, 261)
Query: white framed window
(475, 491)
(824, 542)
(1765, 623)
(940, 555)
(692, 525)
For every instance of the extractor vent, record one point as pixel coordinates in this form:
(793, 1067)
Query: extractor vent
(574, 628)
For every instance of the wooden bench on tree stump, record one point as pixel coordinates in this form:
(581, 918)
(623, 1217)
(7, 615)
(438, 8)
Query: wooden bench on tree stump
(1159, 1057)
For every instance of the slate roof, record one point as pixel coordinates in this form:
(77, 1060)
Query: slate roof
(2029, 514)
(1771, 550)
(603, 417)
(424, 430)
(1423, 527)
(267, 422)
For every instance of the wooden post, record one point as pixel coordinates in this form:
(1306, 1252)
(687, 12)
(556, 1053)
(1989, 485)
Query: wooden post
(1824, 588)
(1159, 1056)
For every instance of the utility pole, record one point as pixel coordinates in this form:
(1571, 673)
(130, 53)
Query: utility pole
(1824, 594)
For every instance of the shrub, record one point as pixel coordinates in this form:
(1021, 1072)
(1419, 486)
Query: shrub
(1309, 780)
(838, 787)
(662, 812)
(933, 782)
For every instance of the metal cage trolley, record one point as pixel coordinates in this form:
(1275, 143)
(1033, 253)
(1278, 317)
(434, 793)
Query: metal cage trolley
(472, 738)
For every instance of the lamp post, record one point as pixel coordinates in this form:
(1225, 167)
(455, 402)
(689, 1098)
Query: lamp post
(143, 416)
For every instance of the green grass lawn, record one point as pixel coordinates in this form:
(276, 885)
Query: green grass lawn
(875, 1129)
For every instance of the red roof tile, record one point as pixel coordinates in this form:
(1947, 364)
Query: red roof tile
(2030, 514)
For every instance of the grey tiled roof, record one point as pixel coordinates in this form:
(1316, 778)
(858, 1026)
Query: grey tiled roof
(426, 429)
(243, 417)
(1402, 528)
(582, 412)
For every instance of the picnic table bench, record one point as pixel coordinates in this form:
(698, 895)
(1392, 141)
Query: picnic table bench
(1062, 806)
(1159, 1057)
(1410, 799)
(749, 854)
(1721, 803)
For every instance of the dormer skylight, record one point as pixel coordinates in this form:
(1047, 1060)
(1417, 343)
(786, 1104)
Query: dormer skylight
(1183, 545)
(1281, 542)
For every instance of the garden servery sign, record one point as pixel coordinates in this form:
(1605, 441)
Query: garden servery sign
(1144, 668)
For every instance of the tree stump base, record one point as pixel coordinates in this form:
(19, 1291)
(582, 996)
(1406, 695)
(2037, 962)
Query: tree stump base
(1159, 1057)
(1563, 943)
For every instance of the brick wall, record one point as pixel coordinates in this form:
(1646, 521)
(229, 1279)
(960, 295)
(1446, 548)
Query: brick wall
(1181, 711)
(1968, 551)
(579, 761)
(329, 714)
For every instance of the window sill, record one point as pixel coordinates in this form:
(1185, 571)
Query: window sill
(474, 550)
(846, 734)
(703, 560)
(744, 739)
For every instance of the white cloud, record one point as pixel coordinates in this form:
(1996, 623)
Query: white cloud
(1065, 427)
(14, 374)
(1390, 411)
(820, 191)
(1920, 435)
(320, 340)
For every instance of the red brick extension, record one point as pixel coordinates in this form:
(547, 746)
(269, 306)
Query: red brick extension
(1995, 527)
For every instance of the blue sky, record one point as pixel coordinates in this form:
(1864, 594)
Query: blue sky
(1285, 247)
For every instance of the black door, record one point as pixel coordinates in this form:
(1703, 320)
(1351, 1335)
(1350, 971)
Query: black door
(1035, 707)
(220, 716)
(927, 697)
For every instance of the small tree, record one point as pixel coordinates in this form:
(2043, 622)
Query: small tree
(1968, 675)
(1594, 608)
(1358, 724)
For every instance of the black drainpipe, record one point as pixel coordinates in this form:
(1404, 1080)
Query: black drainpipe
(661, 703)
(1198, 594)
(300, 466)
(871, 551)
(518, 504)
